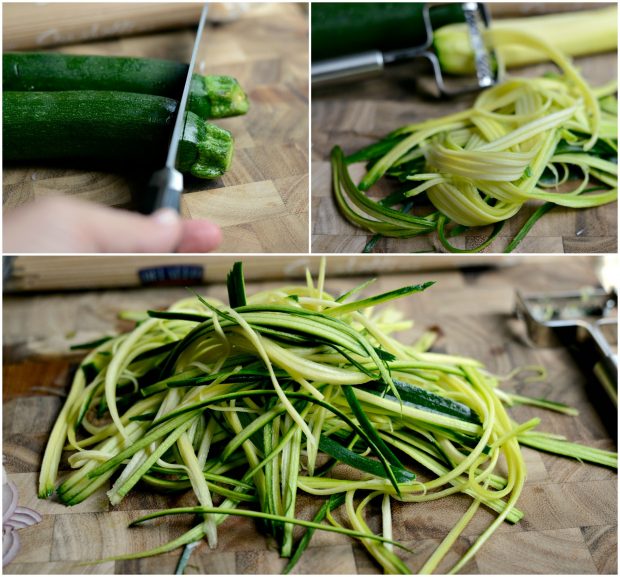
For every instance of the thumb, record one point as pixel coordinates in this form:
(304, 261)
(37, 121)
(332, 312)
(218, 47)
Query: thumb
(163, 231)
(69, 225)
(74, 226)
(113, 230)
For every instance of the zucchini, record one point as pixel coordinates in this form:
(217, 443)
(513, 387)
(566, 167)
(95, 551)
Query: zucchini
(340, 28)
(205, 151)
(210, 96)
(574, 34)
(109, 127)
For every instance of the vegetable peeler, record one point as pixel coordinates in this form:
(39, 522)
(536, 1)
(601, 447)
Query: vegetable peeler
(347, 48)
(584, 321)
(166, 185)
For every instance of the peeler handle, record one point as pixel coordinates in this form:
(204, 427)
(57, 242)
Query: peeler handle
(351, 67)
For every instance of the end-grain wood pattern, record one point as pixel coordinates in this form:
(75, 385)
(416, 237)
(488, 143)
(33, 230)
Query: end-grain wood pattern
(262, 202)
(31, 27)
(570, 523)
(354, 116)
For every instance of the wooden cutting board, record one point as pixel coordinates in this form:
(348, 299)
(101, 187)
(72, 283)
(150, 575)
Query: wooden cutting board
(353, 116)
(262, 202)
(570, 523)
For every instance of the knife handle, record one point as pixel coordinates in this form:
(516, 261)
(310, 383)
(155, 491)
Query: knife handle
(165, 189)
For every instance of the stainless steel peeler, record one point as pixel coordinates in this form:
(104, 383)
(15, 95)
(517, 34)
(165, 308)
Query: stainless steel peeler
(585, 321)
(371, 63)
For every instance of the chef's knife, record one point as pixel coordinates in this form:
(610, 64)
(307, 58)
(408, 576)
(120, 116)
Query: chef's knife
(166, 185)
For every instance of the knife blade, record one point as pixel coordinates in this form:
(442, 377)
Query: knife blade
(166, 185)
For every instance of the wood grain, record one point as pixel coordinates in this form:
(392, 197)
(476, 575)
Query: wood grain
(36, 273)
(570, 523)
(31, 26)
(355, 116)
(262, 202)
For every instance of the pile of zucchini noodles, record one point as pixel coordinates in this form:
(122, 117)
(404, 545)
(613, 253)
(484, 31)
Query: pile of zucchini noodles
(291, 390)
(521, 140)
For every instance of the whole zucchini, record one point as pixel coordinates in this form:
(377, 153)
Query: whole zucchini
(109, 128)
(210, 96)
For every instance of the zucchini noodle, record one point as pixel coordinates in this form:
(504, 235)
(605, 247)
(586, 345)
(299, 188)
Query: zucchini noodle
(294, 390)
(478, 167)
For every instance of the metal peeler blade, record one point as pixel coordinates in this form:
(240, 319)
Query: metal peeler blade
(585, 321)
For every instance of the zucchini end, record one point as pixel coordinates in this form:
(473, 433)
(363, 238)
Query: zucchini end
(217, 97)
(206, 150)
(214, 153)
(455, 55)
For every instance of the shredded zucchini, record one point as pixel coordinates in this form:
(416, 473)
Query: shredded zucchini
(255, 402)
(517, 144)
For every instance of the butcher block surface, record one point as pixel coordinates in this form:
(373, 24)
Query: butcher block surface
(262, 202)
(570, 523)
(355, 115)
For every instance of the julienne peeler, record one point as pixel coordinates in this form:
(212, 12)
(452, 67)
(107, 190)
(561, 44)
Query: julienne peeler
(356, 41)
(166, 185)
(583, 321)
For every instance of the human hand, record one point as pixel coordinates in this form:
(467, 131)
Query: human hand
(64, 225)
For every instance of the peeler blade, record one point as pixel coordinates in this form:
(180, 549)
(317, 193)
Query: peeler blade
(584, 322)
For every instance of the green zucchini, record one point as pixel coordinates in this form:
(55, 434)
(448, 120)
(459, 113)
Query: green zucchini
(425, 400)
(340, 28)
(210, 96)
(101, 127)
(205, 151)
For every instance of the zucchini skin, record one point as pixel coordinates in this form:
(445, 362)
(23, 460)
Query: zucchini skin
(210, 96)
(91, 125)
(42, 71)
(340, 28)
(108, 128)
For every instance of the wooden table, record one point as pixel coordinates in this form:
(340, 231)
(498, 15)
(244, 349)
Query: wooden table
(262, 202)
(354, 117)
(570, 523)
